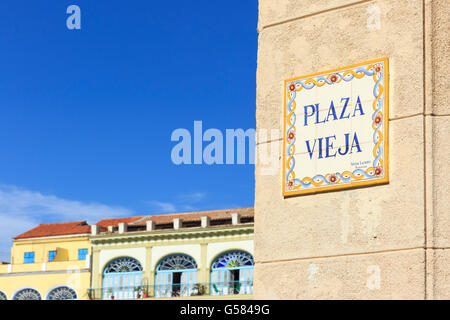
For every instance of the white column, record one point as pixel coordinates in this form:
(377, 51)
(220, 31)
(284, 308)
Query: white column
(235, 218)
(95, 230)
(206, 222)
(150, 225)
(123, 227)
(177, 223)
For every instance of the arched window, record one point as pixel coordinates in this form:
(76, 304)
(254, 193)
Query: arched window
(121, 278)
(3, 296)
(62, 293)
(125, 264)
(232, 273)
(176, 275)
(27, 294)
(177, 262)
(233, 259)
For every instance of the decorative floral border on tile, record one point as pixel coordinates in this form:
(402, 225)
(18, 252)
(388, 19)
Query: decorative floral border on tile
(375, 174)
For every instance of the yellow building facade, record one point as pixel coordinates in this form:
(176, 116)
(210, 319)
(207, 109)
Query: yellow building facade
(202, 255)
(49, 262)
(195, 255)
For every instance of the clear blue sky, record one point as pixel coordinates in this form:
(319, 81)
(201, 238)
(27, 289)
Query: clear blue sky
(86, 115)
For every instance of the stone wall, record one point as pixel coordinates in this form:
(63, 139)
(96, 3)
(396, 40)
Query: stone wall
(381, 242)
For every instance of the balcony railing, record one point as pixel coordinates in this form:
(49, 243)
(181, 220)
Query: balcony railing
(228, 288)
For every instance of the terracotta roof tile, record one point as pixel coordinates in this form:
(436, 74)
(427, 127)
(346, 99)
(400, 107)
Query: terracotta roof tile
(196, 216)
(56, 229)
(81, 227)
(105, 223)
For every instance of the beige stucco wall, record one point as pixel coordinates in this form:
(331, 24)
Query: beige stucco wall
(389, 241)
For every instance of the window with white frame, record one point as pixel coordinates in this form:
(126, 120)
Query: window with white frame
(27, 294)
(62, 293)
(28, 257)
(232, 273)
(176, 275)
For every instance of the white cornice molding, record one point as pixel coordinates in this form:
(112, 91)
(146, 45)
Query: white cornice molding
(132, 237)
(28, 273)
(82, 235)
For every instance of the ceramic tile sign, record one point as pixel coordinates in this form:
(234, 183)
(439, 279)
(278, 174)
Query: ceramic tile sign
(336, 129)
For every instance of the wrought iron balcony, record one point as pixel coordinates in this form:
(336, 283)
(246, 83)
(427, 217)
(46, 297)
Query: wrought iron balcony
(172, 290)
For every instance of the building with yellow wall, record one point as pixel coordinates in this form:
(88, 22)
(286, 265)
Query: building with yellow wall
(196, 255)
(51, 262)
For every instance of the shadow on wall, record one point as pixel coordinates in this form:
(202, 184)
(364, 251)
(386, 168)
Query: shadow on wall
(61, 254)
